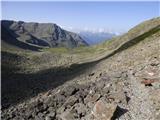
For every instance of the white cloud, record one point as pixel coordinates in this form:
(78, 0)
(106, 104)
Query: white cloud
(94, 30)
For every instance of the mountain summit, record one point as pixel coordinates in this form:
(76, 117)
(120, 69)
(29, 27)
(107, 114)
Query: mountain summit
(40, 34)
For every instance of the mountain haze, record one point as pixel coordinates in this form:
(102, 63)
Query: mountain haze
(95, 37)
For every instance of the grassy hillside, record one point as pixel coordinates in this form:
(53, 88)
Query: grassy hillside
(56, 57)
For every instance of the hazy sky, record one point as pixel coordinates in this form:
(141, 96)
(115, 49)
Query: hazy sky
(116, 16)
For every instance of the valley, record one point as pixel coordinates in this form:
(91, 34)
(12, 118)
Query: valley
(117, 79)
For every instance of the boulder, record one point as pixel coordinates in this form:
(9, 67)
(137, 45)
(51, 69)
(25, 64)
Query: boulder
(103, 110)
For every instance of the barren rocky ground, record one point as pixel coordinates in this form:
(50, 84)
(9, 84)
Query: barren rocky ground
(123, 86)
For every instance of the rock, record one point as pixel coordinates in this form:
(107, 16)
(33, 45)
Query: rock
(90, 105)
(40, 108)
(12, 115)
(28, 114)
(119, 97)
(124, 76)
(106, 89)
(117, 74)
(91, 74)
(82, 92)
(155, 98)
(156, 85)
(81, 109)
(151, 73)
(50, 101)
(101, 83)
(89, 117)
(103, 110)
(67, 115)
(155, 63)
(95, 97)
(48, 93)
(87, 99)
(38, 118)
(60, 110)
(41, 115)
(69, 90)
(51, 109)
(35, 107)
(60, 99)
(92, 98)
(71, 101)
(147, 82)
(50, 116)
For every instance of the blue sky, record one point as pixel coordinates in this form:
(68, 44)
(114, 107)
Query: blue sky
(114, 16)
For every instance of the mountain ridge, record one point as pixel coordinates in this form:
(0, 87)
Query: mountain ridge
(42, 34)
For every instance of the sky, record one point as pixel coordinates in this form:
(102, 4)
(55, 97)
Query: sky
(96, 16)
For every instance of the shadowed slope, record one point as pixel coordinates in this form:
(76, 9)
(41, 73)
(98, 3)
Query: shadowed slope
(29, 85)
(9, 40)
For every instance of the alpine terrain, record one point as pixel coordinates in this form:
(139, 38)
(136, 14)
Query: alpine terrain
(40, 34)
(52, 74)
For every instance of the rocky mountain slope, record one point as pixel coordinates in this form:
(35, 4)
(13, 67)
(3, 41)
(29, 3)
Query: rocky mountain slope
(32, 35)
(119, 81)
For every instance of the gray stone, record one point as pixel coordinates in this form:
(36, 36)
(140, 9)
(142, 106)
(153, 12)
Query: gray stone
(103, 110)
(95, 97)
(71, 101)
(156, 84)
(117, 74)
(92, 98)
(51, 109)
(60, 110)
(81, 109)
(50, 116)
(119, 97)
(38, 118)
(69, 90)
(67, 115)
(60, 99)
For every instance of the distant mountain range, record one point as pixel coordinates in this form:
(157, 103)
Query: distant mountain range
(95, 37)
(32, 34)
